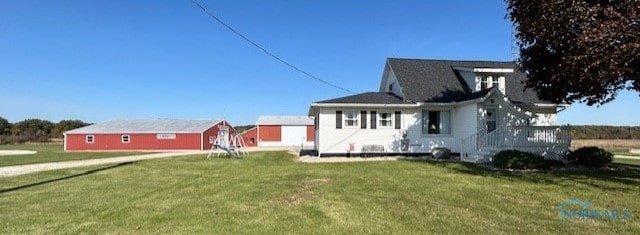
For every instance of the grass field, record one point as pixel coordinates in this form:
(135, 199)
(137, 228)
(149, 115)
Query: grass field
(270, 193)
(627, 161)
(617, 146)
(51, 153)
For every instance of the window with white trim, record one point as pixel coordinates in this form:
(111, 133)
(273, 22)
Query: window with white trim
(351, 119)
(385, 119)
(491, 80)
(484, 82)
(436, 122)
(125, 139)
(89, 139)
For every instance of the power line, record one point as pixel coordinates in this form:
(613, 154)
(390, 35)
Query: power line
(267, 51)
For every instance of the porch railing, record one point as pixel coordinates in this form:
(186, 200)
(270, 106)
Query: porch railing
(526, 136)
(545, 140)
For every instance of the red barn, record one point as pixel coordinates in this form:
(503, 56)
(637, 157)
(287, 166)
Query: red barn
(250, 137)
(281, 131)
(152, 134)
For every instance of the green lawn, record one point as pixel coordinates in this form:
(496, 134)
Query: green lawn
(625, 153)
(270, 193)
(627, 161)
(51, 153)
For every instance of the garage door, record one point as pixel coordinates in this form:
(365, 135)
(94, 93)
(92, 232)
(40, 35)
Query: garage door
(293, 135)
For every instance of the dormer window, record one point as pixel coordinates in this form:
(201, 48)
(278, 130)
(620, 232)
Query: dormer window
(489, 80)
(484, 82)
(480, 78)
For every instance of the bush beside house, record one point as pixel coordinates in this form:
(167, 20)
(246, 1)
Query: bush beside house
(590, 157)
(514, 159)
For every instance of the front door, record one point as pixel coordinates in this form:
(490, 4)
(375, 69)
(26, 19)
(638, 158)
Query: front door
(492, 119)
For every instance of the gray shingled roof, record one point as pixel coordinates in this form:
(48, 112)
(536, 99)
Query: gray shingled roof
(436, 80)
(285, 120)
(388, 98)
(147, 126)
(367, 98)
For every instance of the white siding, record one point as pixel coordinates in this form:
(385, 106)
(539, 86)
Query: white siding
(332, 140)
(507, 113)
(546, 116)
(470, 78)
(545, 119)
(465, 120)
(392, 82)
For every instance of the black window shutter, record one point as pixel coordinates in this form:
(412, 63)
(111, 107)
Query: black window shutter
(397, 114)
(363, 119)
(373, 119)
(339, 119)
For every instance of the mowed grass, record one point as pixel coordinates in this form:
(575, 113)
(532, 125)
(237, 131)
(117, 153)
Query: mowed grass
(52, 153)
(271, 193)
(635, 161)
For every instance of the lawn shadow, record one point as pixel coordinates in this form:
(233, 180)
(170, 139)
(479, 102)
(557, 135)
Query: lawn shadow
(608, 178)
(63, 178)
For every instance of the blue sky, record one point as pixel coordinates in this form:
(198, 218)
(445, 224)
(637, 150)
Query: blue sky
(102, 60)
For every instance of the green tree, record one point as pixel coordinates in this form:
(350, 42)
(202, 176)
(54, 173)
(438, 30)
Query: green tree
(5, 126)
(65, 125)
(240, 129)
(578, 51)
(33, 129)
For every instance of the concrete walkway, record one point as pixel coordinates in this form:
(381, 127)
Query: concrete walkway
(312, 159)
(31, 168)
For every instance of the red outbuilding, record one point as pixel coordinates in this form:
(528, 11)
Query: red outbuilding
(281, 131)
(151, 134)
(250, 137)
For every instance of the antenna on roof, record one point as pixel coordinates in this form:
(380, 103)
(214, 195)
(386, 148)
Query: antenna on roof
(224, 115)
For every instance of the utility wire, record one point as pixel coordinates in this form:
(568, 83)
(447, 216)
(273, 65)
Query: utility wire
(267, 51)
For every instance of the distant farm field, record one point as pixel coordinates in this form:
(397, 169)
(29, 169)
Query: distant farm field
(616, 145)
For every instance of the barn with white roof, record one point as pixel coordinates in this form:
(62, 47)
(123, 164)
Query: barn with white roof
(281, 131)
(145, 134)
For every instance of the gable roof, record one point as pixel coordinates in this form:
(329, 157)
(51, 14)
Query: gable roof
(147, 126)
(285, 120)
(390, 98)
(437, 81)
(366, 98)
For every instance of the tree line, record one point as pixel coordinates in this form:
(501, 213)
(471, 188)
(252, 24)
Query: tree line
(38, 130)
(35, 130)
(605, 132)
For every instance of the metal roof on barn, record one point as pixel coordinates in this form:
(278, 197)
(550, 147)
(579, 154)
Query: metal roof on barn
(285, 120)
(147, 126)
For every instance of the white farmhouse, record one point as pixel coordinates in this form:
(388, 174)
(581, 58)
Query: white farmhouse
(473, 108)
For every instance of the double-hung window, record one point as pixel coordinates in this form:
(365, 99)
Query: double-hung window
(492, 80)
(484, 82)
(351, 119)
(385, 119)
(436, 122)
